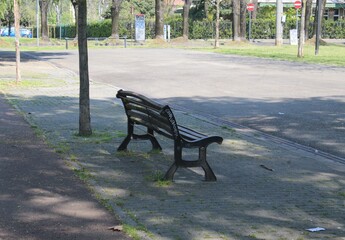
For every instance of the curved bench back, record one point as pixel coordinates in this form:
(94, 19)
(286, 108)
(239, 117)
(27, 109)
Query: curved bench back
(143, 111)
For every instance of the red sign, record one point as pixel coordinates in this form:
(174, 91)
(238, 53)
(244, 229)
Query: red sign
(250, 7)
(298, 4)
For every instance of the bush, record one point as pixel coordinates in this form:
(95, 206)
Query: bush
(261, 29)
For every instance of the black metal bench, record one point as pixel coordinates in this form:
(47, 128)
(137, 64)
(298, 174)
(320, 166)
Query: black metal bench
(160, 119)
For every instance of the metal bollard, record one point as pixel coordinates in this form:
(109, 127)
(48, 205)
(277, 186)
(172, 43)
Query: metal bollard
(125, 41)
(66, 39)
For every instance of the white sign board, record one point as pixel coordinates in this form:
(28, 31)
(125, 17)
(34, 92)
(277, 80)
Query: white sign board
(293, 37)
(140, 27)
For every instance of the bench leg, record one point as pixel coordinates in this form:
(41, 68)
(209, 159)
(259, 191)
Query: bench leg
(154, 142)
(169, 175)
(123, 146)
(209, 174)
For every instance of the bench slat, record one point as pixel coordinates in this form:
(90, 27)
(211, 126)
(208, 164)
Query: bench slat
(160, 119)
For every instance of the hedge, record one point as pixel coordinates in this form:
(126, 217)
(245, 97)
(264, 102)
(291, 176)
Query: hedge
(261, 29)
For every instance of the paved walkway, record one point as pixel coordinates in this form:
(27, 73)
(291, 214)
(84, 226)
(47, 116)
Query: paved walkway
(40, 197)
(264, 190)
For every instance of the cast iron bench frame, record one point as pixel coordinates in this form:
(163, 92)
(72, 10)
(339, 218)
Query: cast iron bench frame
(141, 110)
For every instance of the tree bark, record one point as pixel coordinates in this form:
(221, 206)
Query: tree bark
(115, 16)
(186, 8)
(216, 43)
(308, 13)
(243, 20)
(279, 26)
(84, 91)
(17, 29)
(236, 20)
(206, 7)
(159, 8)
(302, 29)
(44, 4)
(322, 16)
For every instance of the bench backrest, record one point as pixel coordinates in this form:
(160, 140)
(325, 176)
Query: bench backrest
(142, 110)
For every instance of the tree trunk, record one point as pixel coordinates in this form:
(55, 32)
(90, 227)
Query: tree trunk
(322, 14)
(243, 20)
(302, 29)
(44, 4)
(236, 20)
(159, 33)
(186, 8)
(17, 29)
(308, 13)
(216, 43)
(206, 7)
(279, 26)
(115, 15)
(84, 95)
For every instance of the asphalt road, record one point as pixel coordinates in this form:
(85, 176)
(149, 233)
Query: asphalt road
(304, 103)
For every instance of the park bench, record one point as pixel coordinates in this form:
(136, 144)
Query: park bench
(160, 119)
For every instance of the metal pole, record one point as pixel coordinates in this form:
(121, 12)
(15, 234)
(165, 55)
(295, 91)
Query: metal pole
(37, 23)
(318, 27)
(297, 21)
(250, 25)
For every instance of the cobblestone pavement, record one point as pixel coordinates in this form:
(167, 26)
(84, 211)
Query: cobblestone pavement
(264, 190)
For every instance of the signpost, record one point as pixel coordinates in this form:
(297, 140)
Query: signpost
(250, 8)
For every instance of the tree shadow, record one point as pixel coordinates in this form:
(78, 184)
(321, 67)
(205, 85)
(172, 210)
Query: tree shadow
(247, 202)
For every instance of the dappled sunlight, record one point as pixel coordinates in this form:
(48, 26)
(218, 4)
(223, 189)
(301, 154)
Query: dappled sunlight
(243, 148)
(60, 205)
(268, 214)
(264, 190)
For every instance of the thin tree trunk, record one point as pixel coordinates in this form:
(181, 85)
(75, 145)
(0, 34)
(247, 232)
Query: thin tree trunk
(302, 29)
(44, 4)
(322, 16)
(216, 43)
(206, 7)
(84, 95)
(279, 26)
(159, 8)
(308, 13)
(243, 20)
(16, 23)
(186, 8)
(236, 20)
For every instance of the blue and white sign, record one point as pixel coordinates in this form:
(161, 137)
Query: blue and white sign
(140, 27)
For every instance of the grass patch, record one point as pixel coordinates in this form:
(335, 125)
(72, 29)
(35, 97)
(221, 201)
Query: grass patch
(62, 148)
(83, 174)
(99, 137)
(328, 55)
(30, 83)
(128, 153)
(158, 178)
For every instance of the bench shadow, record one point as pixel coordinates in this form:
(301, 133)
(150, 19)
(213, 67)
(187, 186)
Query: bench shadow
(247, 202)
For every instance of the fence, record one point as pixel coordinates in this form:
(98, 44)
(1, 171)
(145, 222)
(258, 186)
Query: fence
(261, 29)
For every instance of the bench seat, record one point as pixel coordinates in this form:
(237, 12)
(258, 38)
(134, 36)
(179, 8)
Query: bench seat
(160, 119)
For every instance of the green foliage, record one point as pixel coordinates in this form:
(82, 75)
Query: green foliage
(99, 29)
(333, 29)
(261, 29)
